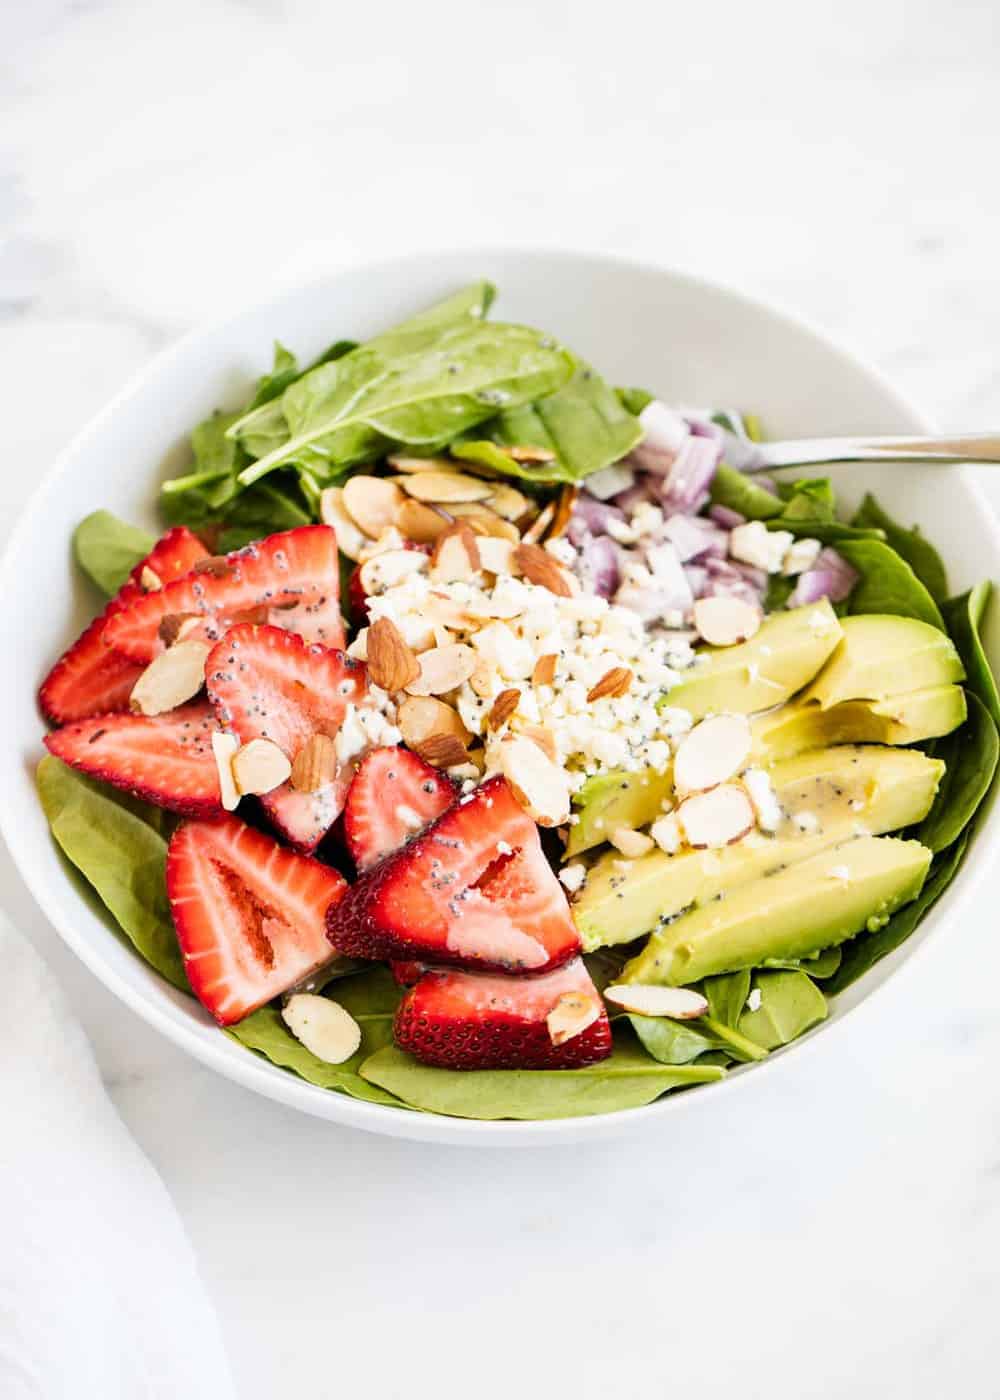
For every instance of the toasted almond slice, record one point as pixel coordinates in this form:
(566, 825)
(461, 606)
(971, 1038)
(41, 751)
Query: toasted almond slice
(254, 617)
(679, 1003)
(571, 1015)
(412, 465)
(384, 571)
(322, 1026)
(564, 509)
(540, 568)
(613, 683)
(149, 580)
(315, 764)
(332, 511)
(540, 785)
(485, 521)
(496, 555)
(441, 488)
(176, 675)
(484, 678)
(422, 717)
(545, 669)
(529, 454)
(392, 664)
(215, 564)
(260, 766)
(419, 523)
(224, 748)
(371, 502)
(544, 738)
(443, 669)
(632, 844)
(722, 622)
(173, 626)
(503, 707)
(536, 530)
(508, 502)
(712, 752)
(716, 818)
(456, 555)
(443, 751)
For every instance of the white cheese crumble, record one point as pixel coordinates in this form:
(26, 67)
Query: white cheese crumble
(753, 543)
(762, 797)
(754, 1000)
(666, 832)
(573, 876)
(801, 556)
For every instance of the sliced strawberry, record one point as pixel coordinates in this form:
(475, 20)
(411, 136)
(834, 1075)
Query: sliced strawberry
(89, 678)
(475, 890)
(406, 974)
(267, 684)
(166, 759)
(248, 914)
(290, 580)
(394, 795)
(475, 1020)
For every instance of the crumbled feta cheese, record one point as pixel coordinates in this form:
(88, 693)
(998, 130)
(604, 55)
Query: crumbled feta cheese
(754, 1000)
(562, 551)
(763, 799)
(666, 832)
(573, 876)
(753, 543)
(362, 729)
(801, 556)
(647, 519)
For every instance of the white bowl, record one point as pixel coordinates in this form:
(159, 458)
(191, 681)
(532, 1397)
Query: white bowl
(689, 341)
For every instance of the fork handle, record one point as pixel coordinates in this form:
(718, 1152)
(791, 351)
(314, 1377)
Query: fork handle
(967, 447)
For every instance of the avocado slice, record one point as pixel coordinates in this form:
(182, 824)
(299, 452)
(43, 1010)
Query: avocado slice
(785, 653)
(814, 904)
(879, 656)
(622, 900)
(617, 798)
(900, 719)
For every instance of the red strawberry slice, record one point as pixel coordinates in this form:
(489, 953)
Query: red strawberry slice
(475, 1020)
(166, 759)
(248, 914)
(394, 795)
(268, 684)
(474, 890)
(89, 678)
(291, 580)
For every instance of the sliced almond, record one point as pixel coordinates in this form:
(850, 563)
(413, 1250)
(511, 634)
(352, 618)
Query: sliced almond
(544, 738)
(173, 626)
(441, 610)
(386, 570)
(679, 1003)
(571, 1015)
(443, 669)
(503, 707)
(323, 1027)
(529, 454)
(176, 675)
(716, 818)
(539, 784)
(508, 502)
(441, 488)
(149, 580)
(391, 663)
(540, 568)
(332, 511)
(422, 717)
(215, 564)
(545, 669)
(315, 764)
(260, 766)
(484, 678)
(412, 465)
(536, 530)
(632, 844)
(722, 622)
(254, 617)
(224, 747)
(418, 522)
(443, 751)
(613, 683)
(564, 509)
(496, 555)
(456, 555)
(712, 752)
(485, 521)
(371, 502)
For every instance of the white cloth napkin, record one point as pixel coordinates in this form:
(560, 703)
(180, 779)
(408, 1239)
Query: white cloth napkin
(99, 1290)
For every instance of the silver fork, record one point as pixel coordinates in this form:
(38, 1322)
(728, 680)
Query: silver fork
(800, 452)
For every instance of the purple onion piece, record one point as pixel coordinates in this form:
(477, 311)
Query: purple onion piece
(685, 488)
(830, 577)
(590, 516)
(636, 495)
(698, 579)
(692, 536)
(728, 519)
(599, 566)
(664, 433)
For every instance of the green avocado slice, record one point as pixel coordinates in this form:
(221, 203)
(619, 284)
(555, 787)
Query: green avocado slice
(880, 655)
(617, 798)
(899, 719)
(846, 789)
(814, 904)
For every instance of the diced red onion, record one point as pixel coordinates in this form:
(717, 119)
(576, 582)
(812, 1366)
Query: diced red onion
(590, 517)
(599, 566)
(636, 495)
(664, 433)
(685, 487)
(692, 536)
(697, 577)
(726, 581)
(728, 519)
(831, 577)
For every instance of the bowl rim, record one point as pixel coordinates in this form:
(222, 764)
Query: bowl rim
(247, 1069)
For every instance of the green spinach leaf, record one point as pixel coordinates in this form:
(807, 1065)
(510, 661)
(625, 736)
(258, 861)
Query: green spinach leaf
(681, 1042)
(790, 1004)
(738, 492)
(727, 994)
(910, 545)
(887, 583)
(970, 755)
(964, 616)
(820, 967)
(811, 499)
(120, 854)
(107, 549)
(634, 400)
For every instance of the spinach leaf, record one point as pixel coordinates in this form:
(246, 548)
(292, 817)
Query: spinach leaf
(862, 953)
(633, 400)
(964, 616)
(910, 545)
(627, 1080)
(681, 1042)
(790, 1004)
(370, 997)
(820, 967)
(970, 755)
(887, 583)
(810, 499)
(122, 856)
(727, 995)
(107, 549)
(731, 488)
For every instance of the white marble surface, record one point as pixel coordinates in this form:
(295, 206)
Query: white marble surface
(159, 161)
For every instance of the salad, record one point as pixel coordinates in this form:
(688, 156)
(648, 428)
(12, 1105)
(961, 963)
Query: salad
(484, 739)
